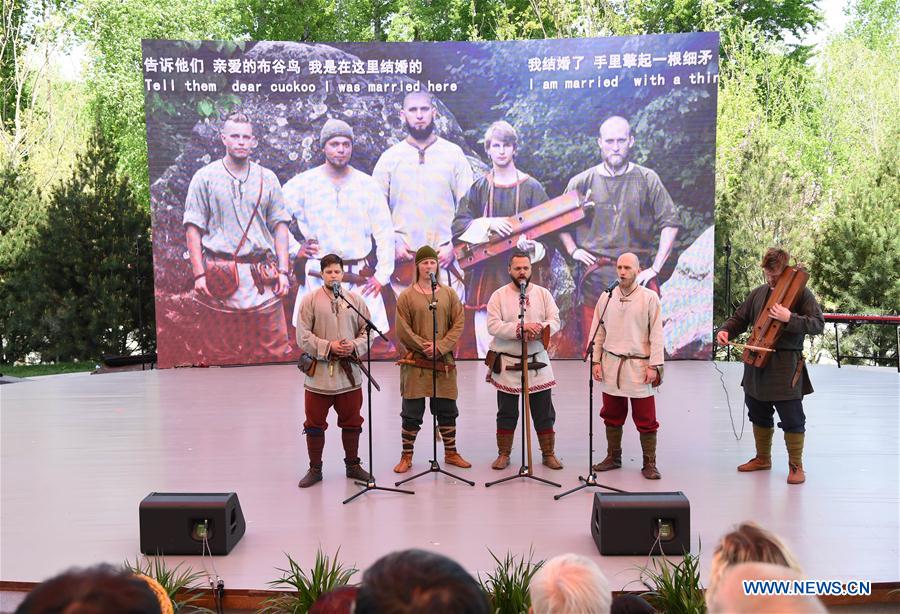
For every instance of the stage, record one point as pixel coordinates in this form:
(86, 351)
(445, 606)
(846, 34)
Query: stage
(80, 451)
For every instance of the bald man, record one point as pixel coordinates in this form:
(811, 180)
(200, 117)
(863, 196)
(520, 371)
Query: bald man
(633, 212)
(628, 360)
(730, 597)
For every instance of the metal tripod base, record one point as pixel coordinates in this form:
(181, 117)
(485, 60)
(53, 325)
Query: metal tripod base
(370, 485)
(523, 473)
(590, 480)
(434, 468)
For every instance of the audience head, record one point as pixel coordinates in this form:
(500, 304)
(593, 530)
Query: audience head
(729, 598)
(631, 604)
(95, 590)
(748, 543)
(569, 583)
(337, 601)
(412, 581)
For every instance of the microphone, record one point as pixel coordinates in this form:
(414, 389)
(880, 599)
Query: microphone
(336, 289)
(522, 285)
(433, 279)
(612, 286)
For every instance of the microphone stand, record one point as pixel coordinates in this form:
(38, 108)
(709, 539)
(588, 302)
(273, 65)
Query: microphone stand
(525, 467)
(591, 479)
(370, 326)
(435, 466)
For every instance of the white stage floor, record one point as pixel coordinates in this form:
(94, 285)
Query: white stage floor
(80, 451)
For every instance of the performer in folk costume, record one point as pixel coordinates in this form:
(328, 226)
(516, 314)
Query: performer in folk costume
(628, 359)
(423, 177)
(414, 327)
(505, 359)
(782, 383)
(483, 213)
(341, 210)
(236, 228)
(332, 337)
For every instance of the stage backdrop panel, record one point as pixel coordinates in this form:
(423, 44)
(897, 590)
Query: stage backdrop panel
(555, 93)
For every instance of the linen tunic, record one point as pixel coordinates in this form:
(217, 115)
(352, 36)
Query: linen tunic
(632, 326)
(324, 319)
(414, 329)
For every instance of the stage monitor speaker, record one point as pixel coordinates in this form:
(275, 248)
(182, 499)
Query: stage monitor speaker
(629, 523)
(177, 523)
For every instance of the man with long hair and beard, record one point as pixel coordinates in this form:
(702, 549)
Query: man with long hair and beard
(505, 359)
(424, 177)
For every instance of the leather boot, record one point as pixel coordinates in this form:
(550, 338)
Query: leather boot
(547, 441)
(504, 449)
(355, 470)
(613, 458)
(763, 459)
(648, 446)
(312, 476)
(451, 456)
(794, 443)
(409, 440)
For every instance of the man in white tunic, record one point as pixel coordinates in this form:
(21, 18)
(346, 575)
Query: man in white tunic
(628, 359)
(505, 359)
(339, 210)
(423, 177)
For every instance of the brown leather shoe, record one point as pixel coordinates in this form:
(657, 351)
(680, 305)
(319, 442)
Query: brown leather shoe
(796, 475)
(649, 470)
(405, 463)
(356, 472)
(453, 458)
(312, 476)
(552, 462)
(612, 461)
(756, 464)
(502, 462)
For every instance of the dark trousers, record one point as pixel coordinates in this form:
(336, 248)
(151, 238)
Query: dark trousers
(542, 413)
(790, 413)
(413, 410)
(643, 412)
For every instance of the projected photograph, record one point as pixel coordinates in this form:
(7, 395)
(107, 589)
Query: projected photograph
(573, 150)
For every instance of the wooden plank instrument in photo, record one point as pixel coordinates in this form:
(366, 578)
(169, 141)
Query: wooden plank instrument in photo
(552, 216)
(767, 330)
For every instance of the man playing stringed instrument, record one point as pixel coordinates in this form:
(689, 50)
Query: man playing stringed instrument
(485, 210)
(782, 383)
(504, 359)
(422, 357)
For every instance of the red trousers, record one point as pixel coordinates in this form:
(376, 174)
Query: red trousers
(643, 412)
(346, 404)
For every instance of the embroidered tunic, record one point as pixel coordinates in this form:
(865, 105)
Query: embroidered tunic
(503, 323)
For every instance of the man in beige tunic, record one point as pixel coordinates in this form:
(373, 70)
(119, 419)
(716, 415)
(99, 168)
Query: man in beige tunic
(628, 359)
(420, 346)
(505, 358)
(333, 337)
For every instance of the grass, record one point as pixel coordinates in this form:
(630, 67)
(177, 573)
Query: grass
(507, 586)
(180, 583)
(677, 587)
(46, 369)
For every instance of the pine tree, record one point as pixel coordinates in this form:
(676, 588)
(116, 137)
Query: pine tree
(94, 249)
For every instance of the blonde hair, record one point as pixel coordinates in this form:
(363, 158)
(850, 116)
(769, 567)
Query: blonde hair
(748, 543)
(570, 583)
(502, 132)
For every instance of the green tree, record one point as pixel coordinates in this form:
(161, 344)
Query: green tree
(92, 252)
